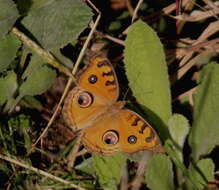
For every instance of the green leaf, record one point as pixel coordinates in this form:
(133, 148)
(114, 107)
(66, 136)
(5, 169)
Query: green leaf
(86, 166)
(31, 102)
(8, 16)
(35, 63)
(8, 86)
(4, 168)
(65, 60)
(38, 82)
(8, 50)
(21, 123)
(179, 129)
(171, 151)
(159, 173)
(204, 134)
(54, 23)
(109, 170)
(35, 84)
(146, 70)
(202, 173)
(24, 5)
(115, 25)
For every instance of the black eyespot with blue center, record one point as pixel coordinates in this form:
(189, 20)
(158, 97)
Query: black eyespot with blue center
(92, 79)
(132, 139)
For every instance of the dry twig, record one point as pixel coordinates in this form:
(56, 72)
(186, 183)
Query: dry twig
(40, 172)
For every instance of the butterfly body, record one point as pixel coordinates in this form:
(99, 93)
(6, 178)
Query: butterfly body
(108, 128)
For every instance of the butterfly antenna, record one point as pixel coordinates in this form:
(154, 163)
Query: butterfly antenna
(126, 94)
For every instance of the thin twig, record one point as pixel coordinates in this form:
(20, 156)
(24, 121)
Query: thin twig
(82, 152)
(129, 7)
(53, 116)
(155, 16)
(188, 6)
(167, 10)
(196, 16)
(185, 64)
(87, 40)
(113, 39)
(183, 70)
(208, 44)
(40, 172)
(187, 93)
(211, 4)
(136, 183)
(73, 154)
(136, 10)
(124, 178)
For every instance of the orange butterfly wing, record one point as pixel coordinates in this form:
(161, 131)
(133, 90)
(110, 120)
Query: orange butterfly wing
(99, 78)
(97, 84)
(125, 127)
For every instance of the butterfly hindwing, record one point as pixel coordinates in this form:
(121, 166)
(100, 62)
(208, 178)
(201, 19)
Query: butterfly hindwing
(130, 130)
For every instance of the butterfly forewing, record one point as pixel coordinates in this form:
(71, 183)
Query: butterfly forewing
(98, 80)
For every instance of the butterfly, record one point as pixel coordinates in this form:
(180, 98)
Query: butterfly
(108, 128)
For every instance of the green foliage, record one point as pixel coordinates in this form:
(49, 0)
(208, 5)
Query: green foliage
(16, 127)
(159, 168)
(109, 170)
(86, 166)
(31, 102)
(146, 70)
(26, 78)
(35, 63)
(54, 23)
(204, 136)
(21, 124)
(8, 16)
(174, 155)
(202, 173)
(8, 49)
(38, 82)
(179, 129)
(7, 81)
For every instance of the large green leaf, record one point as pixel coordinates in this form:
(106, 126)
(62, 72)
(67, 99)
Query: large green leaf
(109, 170)
(179, 129)
(8, 50)
(8, 86)
(54, 23)
(38, 82)
(204, 134)
(146, 70)
(159, 174)
(8, 16)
